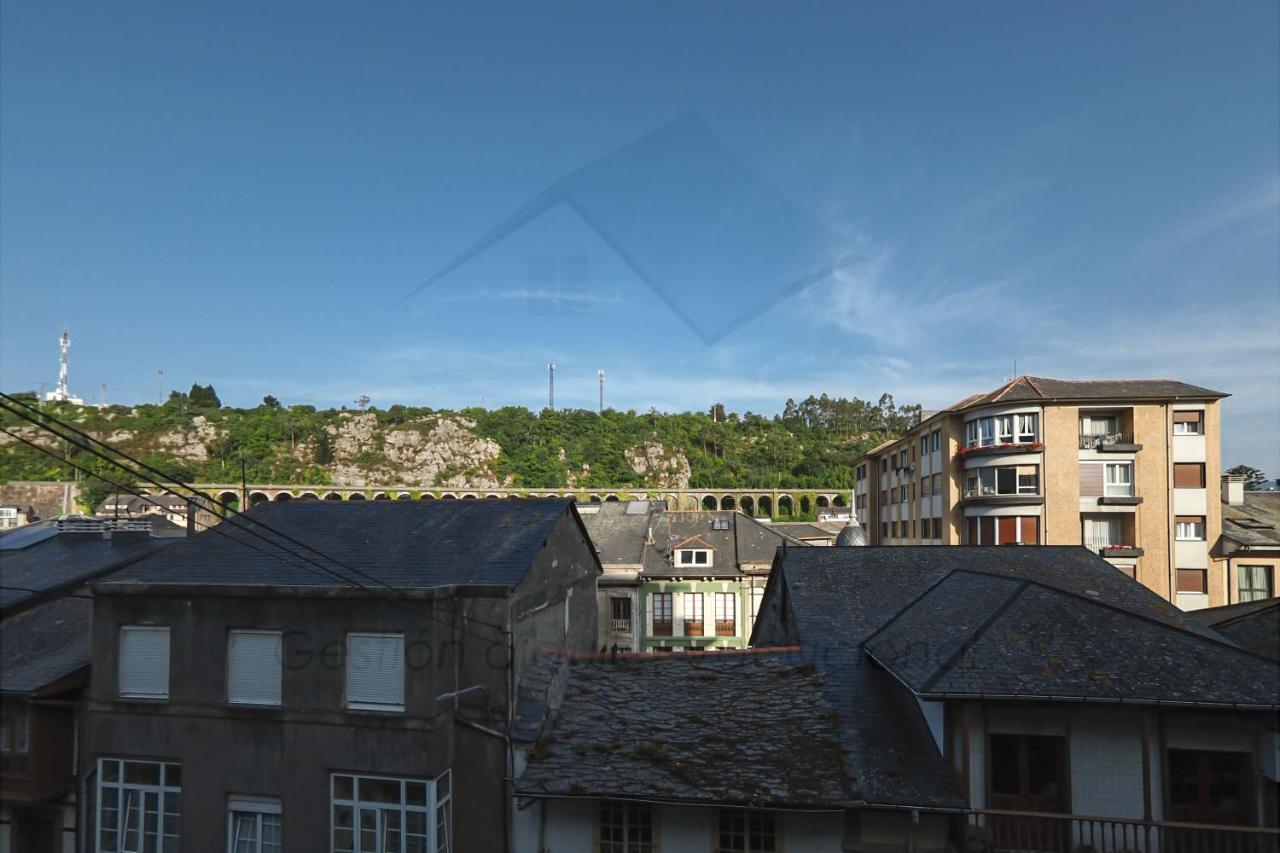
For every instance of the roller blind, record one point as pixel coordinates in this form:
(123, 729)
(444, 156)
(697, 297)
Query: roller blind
(1090, 480)
(253, 667)
(144, 662)
(1188, 475)
(375, 671)
(1186, 417)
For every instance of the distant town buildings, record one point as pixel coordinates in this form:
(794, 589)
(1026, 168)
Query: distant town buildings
(13, 516)
(1127, 468)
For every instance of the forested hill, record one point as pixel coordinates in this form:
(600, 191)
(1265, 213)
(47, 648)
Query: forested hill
(811, 444)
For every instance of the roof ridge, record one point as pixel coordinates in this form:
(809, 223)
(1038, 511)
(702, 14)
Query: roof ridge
(1020, 586)
(908, 606)
(1031, 381)
(1212, 638)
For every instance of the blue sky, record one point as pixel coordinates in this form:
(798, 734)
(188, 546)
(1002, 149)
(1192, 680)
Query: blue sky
(243, 194)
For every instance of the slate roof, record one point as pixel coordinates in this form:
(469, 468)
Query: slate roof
(1252, 625)
(745, 541)
(44, 644)
(54, 561)
(1254, 523)
(745, 728)
(618, 530)
(1034, 388)
(838, 599)
(404, 544)
(976, 634)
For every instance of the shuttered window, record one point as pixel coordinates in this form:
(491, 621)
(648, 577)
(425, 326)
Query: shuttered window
(144, 662)
(375, 672)
(253, 668)
(1029, 527)
(1188, 475)
(1090, 480)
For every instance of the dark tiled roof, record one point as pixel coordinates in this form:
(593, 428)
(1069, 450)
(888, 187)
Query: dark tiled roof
(405, 544)
(745, 540)
(1252, 625)
(731, 728)
(618, 530)
(60, 560)
(44, 643)
(988, 635)
(1256, 522)
(1034, 388)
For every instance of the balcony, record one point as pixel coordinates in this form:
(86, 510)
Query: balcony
(1109, 548)
(994, 831)
(1108, 442)
(726, 627)
(993, 498)
(620, 626)
(1000, 448)
(693, 627)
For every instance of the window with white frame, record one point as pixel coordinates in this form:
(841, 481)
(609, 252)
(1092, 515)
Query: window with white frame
(1118, 480)
(1189, 528)
(139, 806)
(625, 827)
(253, 825)
(253, 667)
(385, 814)
(693, 557)
(375, 672)
(1188, 423)
(1256, 583)
(726, 614)
(144, 662)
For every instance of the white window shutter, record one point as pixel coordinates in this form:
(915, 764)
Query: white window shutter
(253, 667)
(144, 662)
(375, 671)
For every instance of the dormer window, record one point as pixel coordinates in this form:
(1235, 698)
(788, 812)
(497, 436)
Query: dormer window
(693, 557)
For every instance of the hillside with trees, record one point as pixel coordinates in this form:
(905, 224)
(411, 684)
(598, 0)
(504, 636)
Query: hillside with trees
(810, 444)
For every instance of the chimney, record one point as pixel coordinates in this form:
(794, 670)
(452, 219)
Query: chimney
(1232, 490)
(191, 518)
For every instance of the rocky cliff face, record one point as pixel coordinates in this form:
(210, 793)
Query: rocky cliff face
(438, 451)
(191, 444)
(661, 466)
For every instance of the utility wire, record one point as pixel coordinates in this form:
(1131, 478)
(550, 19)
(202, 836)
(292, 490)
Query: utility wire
(326, 572)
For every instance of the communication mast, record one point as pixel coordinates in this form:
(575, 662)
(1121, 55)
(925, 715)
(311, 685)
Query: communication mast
(600, 374)
(551, 386)
(62, 394)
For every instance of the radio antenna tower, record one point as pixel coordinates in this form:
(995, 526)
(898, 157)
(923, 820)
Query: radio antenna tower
(551, 386)
(62, 394)
(600, 374)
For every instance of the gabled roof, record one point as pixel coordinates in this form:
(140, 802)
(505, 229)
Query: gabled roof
(45, 644)
(1252, 625)
(740, 540)
(1037, 388)
(618, 530)
(733, 728)
(1254, 523)
(696, 542)
(403, 544)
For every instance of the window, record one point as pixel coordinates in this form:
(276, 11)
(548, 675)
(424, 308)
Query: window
(1189, 528)
(893, 495)
(1256, 583)
(924, 446)
(884, 530)
(620, 614)
(726, 614)
(937, 484)
(139, 805)
(693, 614)
(693, 557)
(253, 826)
(1002, 480)
(661, 602)
(1029, 773)
(1188, 475)
(1118, 479)
(746, 831)
(924, 487)
(1027, 428)
(1193, 580)
(375, 672)
(144, 662)
(382, 814)
(253, 668)
(626, 827)
(15, 736)
(1002, 530)
(1188, 423)
(893, 529)
(1209, 786)
(757, 596)
(937, 439)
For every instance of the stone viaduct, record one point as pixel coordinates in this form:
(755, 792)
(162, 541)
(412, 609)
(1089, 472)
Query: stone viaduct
(779, 504)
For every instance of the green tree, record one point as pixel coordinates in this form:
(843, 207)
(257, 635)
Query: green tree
(203, 397)
(270, 402)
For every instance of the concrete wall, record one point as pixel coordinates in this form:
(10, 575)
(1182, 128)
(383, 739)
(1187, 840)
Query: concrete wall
(1153, 482)
(1060, 478)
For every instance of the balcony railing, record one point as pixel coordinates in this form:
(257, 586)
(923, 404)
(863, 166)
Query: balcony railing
(693, 627)
(726, 627)
(991, 831)
(1096, 440)
(620, 626)
(1104, 545)
(661, 629)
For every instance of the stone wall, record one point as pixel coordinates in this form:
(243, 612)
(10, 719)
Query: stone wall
(47, 499)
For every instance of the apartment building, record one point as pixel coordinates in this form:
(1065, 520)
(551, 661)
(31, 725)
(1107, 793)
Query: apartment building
(1123, 467)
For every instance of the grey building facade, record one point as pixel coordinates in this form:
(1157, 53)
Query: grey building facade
(290, 712)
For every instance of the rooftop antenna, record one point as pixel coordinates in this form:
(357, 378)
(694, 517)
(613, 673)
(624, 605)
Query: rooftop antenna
(551, 385)
(159, 387)
(104, 395)
(600, 374)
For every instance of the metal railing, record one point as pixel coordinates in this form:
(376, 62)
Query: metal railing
(1101, 545)
(693, 627)
(995, 831)
(726, 627)
(620, 626)
(1094, 440)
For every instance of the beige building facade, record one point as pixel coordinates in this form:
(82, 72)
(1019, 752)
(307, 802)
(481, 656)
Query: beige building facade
(1128, 468)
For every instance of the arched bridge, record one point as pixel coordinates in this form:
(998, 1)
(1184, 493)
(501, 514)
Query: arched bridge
(778, 504)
